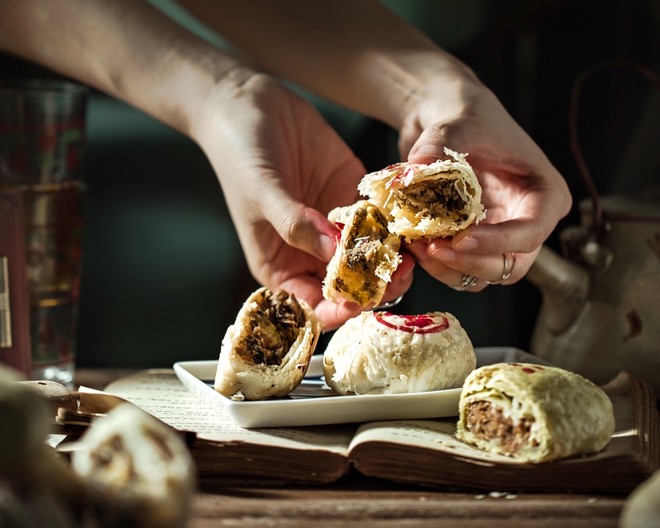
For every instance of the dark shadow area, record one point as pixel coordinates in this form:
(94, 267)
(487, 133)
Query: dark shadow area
(163, 272)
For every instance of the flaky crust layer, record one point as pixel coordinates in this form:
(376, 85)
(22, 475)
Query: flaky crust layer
(365, 258)
(259, 380)
(562, 413)
(391, 190)
(382, 353)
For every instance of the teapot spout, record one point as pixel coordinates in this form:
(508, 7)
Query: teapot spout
(564, 287)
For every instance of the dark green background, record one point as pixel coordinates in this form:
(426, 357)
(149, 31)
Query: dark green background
(163, 273)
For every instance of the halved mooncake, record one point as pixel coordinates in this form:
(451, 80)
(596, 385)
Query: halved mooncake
(365, 257)
(533, 413)
(266, 352)
(426, 201)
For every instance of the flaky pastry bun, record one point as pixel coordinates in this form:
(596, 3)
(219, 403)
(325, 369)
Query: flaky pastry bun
(384, 353)
(140, 467)
(266, 352)
(426, 201)
(533, 413)
(365, 258)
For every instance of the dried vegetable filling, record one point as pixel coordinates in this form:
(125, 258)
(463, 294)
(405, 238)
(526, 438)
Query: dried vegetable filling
(366, 255)
(433, 198)
(275, 324)
(365, 238)
(267, 350)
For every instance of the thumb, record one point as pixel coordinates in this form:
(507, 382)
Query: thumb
(303, 228)
(430, 146)
(458, 135)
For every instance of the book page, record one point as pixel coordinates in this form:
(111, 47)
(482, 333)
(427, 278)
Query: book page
(437, 435)
(160, 393)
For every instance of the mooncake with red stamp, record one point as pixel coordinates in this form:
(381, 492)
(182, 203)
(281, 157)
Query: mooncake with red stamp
(384, 353)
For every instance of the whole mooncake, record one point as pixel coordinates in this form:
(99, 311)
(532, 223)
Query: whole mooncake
(384, 353)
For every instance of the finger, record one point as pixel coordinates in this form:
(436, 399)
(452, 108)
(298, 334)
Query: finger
(402, 280)
(331, 314)
(501, 268)
(334, 314)
(519, 236)
(302, 227)
(434, 266)
(528, 225)
(430, 146)
(451, 267)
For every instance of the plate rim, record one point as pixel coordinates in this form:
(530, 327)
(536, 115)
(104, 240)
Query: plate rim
(243, 412)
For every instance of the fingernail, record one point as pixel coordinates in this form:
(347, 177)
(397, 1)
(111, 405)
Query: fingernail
(325, 246)
(467, 243)
(445, 254)
(429, 151)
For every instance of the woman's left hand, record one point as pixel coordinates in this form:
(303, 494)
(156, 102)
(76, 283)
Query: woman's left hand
(524, 195)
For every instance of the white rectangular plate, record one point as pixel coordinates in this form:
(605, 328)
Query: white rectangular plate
(313, 403)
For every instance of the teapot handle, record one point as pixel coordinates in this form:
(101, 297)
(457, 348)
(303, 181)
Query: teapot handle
(598, 224)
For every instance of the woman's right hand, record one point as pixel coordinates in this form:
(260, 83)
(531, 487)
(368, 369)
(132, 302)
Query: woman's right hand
(282, 169)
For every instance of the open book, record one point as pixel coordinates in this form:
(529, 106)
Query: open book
(416, 451)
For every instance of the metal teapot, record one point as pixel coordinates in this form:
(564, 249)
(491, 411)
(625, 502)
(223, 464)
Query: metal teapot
(600, 311)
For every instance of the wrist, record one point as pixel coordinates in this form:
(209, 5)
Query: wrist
(235, 94)
(436, 78)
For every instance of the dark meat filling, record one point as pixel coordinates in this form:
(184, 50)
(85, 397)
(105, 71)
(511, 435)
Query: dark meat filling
(487, 421)
(365, 238)
(274, 327)
(435, 198)
(363, 257)
(363, 246)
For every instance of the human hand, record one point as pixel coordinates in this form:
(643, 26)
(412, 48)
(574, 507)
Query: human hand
(524, 195)
(282, 169)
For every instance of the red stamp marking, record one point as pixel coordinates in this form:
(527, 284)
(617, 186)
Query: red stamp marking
(415, 324)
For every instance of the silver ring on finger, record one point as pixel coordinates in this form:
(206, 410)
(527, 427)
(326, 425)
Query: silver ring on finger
(507, 268)
(467, 281)
(389, 304)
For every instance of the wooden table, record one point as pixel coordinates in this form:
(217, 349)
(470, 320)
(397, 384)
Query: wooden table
(358, 502)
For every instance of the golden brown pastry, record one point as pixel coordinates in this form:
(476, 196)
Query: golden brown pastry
(426, 201)
(266, 352)
(365, 258)
(533, 413)
(384, 353)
